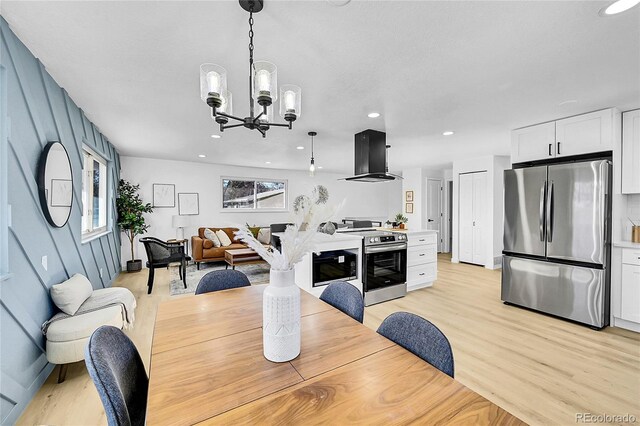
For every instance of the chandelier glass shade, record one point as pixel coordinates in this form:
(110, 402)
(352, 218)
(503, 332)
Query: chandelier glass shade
(263, 90)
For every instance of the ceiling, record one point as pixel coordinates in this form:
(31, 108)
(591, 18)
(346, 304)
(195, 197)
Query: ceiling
(479, 68)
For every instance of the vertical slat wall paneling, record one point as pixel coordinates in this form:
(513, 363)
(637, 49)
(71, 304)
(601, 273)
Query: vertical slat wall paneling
(38, 111)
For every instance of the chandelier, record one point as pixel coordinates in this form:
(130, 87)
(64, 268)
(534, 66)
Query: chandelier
(263, 89)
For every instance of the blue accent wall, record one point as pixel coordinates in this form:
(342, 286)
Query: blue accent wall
(37, 111)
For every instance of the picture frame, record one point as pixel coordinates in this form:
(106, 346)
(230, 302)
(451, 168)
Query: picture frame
(188, 203)
(408, 196)
(164, 195)
(408, 207)
(61, 192)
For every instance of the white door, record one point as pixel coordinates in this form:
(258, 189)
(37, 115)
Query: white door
(533, 143)
(585, 133)
(465, 239)
(434, 208)
(479, 219)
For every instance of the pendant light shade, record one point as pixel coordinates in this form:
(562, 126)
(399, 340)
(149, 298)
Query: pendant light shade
(312, 166)
(265, 82)
(290, 101)
(213, 83)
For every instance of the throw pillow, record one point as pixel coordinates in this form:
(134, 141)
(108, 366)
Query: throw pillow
(224, 238)
(264, 236)
(210, 235)
(254, 230)
(207, 243)
(70, 294)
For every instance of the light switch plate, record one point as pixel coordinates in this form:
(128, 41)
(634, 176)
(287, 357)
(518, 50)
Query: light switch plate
(44, 262)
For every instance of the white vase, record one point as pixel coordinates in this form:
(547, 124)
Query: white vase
(281, 317)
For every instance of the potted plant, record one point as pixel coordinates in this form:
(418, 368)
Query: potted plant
(131, 221)
(401, 220)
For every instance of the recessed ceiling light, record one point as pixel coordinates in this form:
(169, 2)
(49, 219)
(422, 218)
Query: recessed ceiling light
(299, 147)
(202, 156)
(215, 136)
(447, 133)
(570, 101)
(267, 162)
(373, 115)
(618, 7)
(319, 167)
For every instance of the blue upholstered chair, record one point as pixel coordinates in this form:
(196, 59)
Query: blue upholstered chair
(419, 336)
(118, 373)
(342, 295)
(222, 280)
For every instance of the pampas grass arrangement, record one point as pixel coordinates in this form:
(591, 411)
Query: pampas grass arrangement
(300, 238)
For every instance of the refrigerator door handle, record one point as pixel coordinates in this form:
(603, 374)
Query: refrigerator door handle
(541, 220)
(550, 211)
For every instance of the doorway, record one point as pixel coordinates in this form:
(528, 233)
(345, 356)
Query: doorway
(434, 208)
(449, 216)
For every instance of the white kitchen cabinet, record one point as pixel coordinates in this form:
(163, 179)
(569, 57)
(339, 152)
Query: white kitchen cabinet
(472, 244)
(422, 259)
(581, 134)
(533, 143)
(585, 133)
(625, 287)
(631, 152)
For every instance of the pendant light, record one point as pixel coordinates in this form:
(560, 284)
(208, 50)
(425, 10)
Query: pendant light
(312, 166)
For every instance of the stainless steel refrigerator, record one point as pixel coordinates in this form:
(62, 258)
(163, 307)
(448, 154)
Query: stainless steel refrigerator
(556, 240)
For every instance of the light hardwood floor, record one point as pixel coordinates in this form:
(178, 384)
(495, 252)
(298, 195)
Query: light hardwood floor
(539, 368)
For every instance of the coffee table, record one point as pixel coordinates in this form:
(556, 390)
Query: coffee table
(241, 257)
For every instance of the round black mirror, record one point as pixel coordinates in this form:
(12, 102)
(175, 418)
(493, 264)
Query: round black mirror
(55, 184)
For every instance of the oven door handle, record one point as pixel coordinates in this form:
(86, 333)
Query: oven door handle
(385, 248)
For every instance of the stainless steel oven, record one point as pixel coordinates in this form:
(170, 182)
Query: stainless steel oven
(384, 269)
(339, 265)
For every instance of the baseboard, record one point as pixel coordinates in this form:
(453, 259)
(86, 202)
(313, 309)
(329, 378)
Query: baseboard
(18, 409)
(419, 286)
(627, 325)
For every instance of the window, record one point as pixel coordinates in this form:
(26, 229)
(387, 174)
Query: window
(254, 194)
(94, 194)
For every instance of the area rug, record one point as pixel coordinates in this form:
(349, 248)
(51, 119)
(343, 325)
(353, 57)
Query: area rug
(258, 273)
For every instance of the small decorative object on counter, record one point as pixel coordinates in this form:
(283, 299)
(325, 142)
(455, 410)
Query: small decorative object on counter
(401, 220)
(328, 228)
(635, 234)
(281, 299)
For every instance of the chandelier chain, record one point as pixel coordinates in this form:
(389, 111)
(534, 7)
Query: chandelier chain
(251, 37)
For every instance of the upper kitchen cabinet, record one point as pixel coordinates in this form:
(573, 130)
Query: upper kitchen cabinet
(631, 152)
(533, 143)
(582, 134)
(585, 133)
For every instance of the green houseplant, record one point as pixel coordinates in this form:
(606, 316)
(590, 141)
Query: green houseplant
(401, 220)
(131, 220)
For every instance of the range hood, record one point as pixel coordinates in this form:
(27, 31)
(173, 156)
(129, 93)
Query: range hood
(371, 158)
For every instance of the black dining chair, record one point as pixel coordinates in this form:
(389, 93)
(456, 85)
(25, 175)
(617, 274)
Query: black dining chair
(277, 227)
(420, 337)
(222, 280)
(345, 297)
(118, 373)
(160, 254)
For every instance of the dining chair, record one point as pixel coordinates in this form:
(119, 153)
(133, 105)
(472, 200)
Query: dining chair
(160, 254)
(222, 280)
(277, 227)
(118, 373)
(420, 337)
(345, 297)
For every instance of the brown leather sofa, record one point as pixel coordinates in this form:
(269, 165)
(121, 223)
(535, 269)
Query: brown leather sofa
(202, 250)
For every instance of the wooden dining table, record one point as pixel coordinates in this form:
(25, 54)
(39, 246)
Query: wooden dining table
(207, 367)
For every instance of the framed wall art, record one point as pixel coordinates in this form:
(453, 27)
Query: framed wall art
(408, 207)
(408, 196)
(188, 203)
(164, 195)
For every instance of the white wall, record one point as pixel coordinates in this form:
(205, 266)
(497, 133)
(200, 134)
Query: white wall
(494, 166)
(362, 199)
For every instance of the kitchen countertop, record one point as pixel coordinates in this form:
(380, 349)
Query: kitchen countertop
(626, 244)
